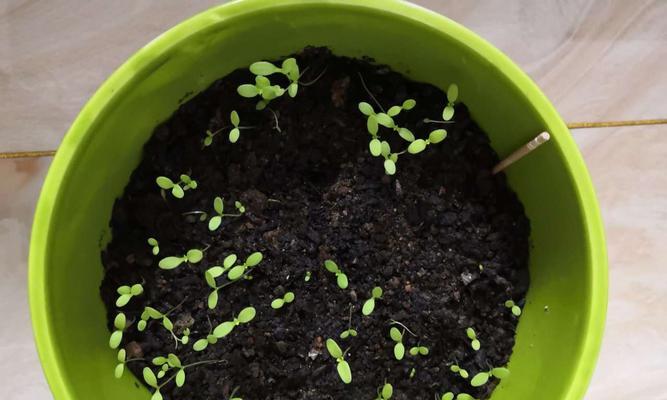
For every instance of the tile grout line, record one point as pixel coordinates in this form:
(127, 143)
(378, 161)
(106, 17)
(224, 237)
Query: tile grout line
(571, 125)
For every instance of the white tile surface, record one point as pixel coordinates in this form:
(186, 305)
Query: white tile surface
(595, 59)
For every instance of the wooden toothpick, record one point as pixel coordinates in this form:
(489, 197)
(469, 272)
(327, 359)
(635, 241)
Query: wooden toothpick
(522, 151)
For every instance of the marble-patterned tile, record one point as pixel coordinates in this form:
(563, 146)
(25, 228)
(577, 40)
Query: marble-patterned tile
(595, 59)
(21, 378)
(628, 169)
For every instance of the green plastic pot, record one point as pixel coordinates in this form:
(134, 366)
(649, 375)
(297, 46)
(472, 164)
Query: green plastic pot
(555, 351)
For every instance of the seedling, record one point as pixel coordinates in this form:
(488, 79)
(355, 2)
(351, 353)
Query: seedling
(460, 396)
(151, 313)
(262, 88)
(458, 370)
(119, 323)
(516, 310)
(170, 363)
(202, 344)
(215, 272)
(419, 351)
(127, 292)
(483, 377)
(234, 133)
(155, 246)
(452, 96)
(219, 207)
(246, 315)
(179, 188)
(474, 342)
(349, 332)
(262, 69)
(242, 270)
(341, 278)
(193, 256)
(399, 348)
(307, 277)
(382, 148)
(279, 303)
(369, 305)
(122, 361)
(342, 366)
(385, 392)
(413, 372)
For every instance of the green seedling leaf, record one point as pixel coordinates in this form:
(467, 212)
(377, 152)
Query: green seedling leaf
(437, 136)
(399, 351)
(123, 290)
(229, 261)
(213, 299)
(344, 371)
(464, 396)
(247, 90)
(122, 354)
(218, 205)
(341, 280)
(500, 373)
(406, 134)
(372, 125)
(448, 113)
(447, 396)
(376, 292)
(277, 303)
(200, 345)
(516, 310)
(395, 334)
(293, 89)
(166, 322)
(214, 223)
(123, 299)
(263, 68)
(236, 273)
(120, 321)
(152, 242)
(289, 297)
(164, 183)
(366, 109)
(149, 377)
(153, 313)
(247, 314)
(409, 104)
(141, 325)
(389, 167)
(177, 192)
(331, 266)
(394, 111)
(334, 349)
(368, 307)
(417, 146)
(118, 371)
(253, 259)
(170, 262)
(471, 333)
(387, 391)
(223, 329)
(180, 378)
(234, 135)
(194, 256)
(479, 379)
(385, 120)
(386, 149)
(136, 290)
(375, 147)
(452, 93)
(476, 345)
(115, 338)
(234, 118)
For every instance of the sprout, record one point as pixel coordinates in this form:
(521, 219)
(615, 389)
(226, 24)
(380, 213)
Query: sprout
(166, 364)
(246, 315)
(349, 331)
(458, 370)
(263, 87)
(234, 133)
(419, 350)
(452, 96)
(155, 246)
(119, 323)
(382, 148)
(399, 348)
(179, 188)
(341, 278)
(215, 272)
(122, 361)
(192, 256)
(474, 342)
(447, 396)
(516, 310)
(483, 377)
(242, 270)
(460, 396)
(413, 372)
(279, 303)
(151, 313)
(307, 277)
(369, 305)
(385, 392)
(127, 292)
(343, 367)
(219, 207)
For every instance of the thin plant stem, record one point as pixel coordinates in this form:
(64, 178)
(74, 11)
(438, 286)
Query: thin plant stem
(314, 80)
(369, 92)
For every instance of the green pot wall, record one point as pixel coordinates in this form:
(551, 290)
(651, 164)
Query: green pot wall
(555, 351)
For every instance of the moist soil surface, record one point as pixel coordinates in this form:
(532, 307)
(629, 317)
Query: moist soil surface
(445, 239)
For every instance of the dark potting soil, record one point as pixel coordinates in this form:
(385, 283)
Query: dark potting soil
(445, 239)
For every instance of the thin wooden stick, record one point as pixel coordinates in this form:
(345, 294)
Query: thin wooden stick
(522, 152)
